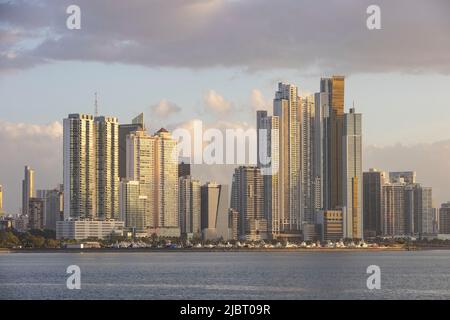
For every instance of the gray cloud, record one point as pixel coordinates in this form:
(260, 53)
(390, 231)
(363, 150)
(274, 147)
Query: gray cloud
(311, 36)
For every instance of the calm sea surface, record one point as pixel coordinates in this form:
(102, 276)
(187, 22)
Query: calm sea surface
(226, 275)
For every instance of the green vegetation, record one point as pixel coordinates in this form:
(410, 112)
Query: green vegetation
(30, 239)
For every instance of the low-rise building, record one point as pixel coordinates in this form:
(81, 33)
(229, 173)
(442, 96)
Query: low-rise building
(84, 229)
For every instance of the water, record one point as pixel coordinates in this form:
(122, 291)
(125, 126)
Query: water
(226, 275)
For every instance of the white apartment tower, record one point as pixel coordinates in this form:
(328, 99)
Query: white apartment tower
(352, 175)
(107, 158)
(190, 206)
(269, 163)
(80, 167)
(28, 190)
(91, 177)
(286, 107)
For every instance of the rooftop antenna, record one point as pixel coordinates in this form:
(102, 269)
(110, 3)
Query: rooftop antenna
(96, 105)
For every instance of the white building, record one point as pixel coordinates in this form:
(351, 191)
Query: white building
(286, 107)
(80, 200)
(28, 190)
(269, 162)
(87, 228)
(190, 206)
(107, 155)
(91, 167)
(352, 176)
(133, 206)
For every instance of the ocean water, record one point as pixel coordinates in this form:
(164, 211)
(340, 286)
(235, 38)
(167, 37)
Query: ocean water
(226, 275)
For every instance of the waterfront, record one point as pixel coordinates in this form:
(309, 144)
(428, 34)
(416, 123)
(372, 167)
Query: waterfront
(226, 275)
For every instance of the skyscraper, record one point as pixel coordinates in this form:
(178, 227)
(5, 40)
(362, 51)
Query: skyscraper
(307, 158)
(248, 200)
(214, 211)
(133, 205)
(286, 106)
(444, 218)
(91, 181)
(269, 163)
(140, 166)
(1, 200)
(352, 175)
(184, 169)
(152, 160)
(54, 206)
(333, 91)
(107, 163)
(36, 213)
(190, 206)
(393, 209)
(166, 180)
(409, 177)
(373, 182)
(418, 209)
(137, 124)
(28, 190)
(80, 167)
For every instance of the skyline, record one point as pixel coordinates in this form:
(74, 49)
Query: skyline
(211, 174)
(204, 67)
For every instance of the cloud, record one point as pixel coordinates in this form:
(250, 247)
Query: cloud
(310, 36)
(216, 103)
(258, 102)
(164, 109)
(429, 160)
(39, 146)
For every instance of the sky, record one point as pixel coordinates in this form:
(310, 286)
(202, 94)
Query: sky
(219, 61)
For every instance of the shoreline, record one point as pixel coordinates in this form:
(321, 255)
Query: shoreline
(247, 250)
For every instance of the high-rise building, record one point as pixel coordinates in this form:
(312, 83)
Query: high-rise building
(418, 209)
(184, 169)
(140, 166)
(107, 163)
(166, 179)
(332, 93)
(214, 211)
(1, 200)
(269, 163)
(321, 114)
(190, 206)
(53, 206)
(352, 175)
(36, 213)
(308, 127)
(409, 177)
(91, 182)
(286, 106)
(394, 221)
(133, 205)
(137, 124)
(444, 218)
(152, 160)
(331, 222)
(373, 182)
(248, 200)
(233, 224)
(28, 190)
(80, 167)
